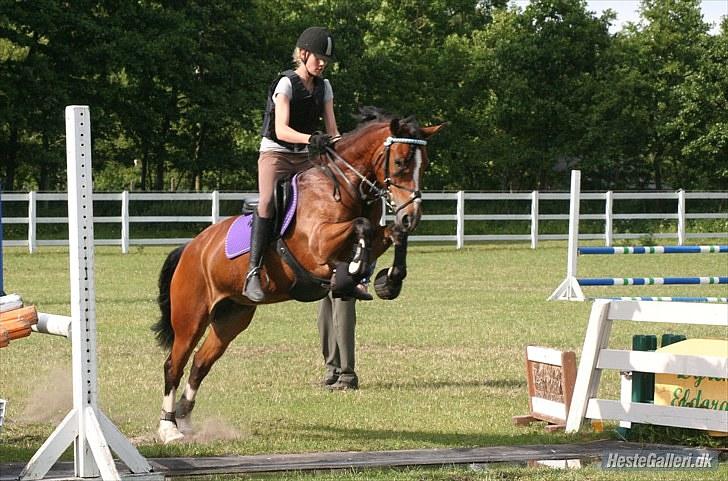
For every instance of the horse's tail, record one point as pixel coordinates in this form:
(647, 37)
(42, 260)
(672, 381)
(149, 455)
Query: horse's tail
(163, 328)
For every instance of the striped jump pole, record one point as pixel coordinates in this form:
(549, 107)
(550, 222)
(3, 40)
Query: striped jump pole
(664, 299)
(648, 281)
(718, 249)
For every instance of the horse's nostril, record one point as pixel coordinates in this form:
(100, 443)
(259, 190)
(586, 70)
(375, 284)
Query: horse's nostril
(406, 220)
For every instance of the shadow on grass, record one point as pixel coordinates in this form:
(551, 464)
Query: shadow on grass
(434, 439)
(410, 384)
(405, 384)
(24, 447)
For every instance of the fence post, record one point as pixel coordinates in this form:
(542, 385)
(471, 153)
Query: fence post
(125, 222)
(461, 220)
(534, 219)
(681, 217)
(32, 221)
(215, 206)
(608, 219)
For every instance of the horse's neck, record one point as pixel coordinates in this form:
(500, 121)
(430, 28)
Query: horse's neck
(361, 153)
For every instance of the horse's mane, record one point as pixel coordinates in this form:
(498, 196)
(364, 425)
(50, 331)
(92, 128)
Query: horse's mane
(370, 115)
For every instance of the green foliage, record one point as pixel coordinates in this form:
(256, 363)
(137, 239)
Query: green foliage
(177, 89)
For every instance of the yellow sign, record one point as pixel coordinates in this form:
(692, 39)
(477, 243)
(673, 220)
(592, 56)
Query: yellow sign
(694, 391)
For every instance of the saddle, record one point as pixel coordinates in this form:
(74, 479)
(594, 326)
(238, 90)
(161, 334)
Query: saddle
(283, 194)
(306, 287)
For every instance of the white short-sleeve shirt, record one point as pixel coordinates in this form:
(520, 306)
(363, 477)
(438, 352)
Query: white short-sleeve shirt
(285, 87)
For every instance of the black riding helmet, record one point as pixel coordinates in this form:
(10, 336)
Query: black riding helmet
(318, 41)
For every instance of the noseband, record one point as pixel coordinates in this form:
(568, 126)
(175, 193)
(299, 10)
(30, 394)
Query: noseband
(382, 193)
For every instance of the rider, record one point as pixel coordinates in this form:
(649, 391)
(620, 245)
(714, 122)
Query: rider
(297, 100)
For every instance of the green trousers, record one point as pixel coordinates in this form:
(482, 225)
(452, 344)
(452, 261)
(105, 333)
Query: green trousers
(337, 324)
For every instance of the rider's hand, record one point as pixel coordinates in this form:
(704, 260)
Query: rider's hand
(318, 142)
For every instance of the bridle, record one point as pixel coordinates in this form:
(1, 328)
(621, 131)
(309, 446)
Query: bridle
(374, 191)
(388, 183)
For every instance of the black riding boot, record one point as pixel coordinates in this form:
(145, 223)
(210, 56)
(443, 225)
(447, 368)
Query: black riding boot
(260, 237)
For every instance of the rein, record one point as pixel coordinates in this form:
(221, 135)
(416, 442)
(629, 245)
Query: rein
(379, 193)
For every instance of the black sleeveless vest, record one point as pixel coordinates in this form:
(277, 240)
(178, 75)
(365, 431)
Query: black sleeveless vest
(307, 108)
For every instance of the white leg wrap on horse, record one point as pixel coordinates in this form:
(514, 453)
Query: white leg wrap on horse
(168, 401)
(355, 264)
(168, 432)
(190, 393)
(184, 410)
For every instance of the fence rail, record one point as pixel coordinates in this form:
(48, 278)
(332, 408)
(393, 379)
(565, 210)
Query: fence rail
(459, 216)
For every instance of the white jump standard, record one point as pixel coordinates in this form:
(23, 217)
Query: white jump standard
(570, 288)
(92, 434)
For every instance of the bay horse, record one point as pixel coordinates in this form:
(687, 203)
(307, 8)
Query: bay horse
(336, 225)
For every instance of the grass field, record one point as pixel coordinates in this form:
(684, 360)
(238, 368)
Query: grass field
(441, 366)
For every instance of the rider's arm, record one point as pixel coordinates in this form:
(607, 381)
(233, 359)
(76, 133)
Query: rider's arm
(283, 114)
(330, 119)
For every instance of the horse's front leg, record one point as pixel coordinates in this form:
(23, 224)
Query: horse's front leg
(349, 273)
(388, 283)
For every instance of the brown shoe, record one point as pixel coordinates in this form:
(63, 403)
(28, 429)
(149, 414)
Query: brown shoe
(344, 385)
(329, 380)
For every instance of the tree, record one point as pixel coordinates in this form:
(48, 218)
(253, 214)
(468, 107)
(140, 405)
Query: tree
(701, 122)
(669, 49)
(540, 66)
(51, 53)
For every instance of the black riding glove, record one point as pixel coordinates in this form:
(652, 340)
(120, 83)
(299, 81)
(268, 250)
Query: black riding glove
(318, 142)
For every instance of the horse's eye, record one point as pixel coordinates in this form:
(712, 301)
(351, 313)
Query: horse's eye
(399, 162)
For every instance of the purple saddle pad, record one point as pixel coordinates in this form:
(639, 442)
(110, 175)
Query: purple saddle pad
(237, 240)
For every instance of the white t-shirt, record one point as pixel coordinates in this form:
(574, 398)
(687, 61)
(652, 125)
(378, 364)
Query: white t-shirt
(285, 87)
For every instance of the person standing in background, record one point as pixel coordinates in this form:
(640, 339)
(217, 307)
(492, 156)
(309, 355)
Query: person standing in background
(337, 326)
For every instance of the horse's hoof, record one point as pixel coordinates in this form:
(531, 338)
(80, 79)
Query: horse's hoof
(168, 432)
(184, 425)
(385, 287)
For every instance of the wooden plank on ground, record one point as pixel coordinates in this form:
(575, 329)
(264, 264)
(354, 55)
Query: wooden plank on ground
(218, 465)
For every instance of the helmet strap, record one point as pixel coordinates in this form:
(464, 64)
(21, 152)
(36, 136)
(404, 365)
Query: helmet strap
(305, 58)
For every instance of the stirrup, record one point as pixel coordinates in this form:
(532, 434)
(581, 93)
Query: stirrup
(255, 271)
(254, 293)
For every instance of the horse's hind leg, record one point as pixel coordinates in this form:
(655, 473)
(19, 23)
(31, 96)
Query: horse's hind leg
(229, 320)
(186, 337)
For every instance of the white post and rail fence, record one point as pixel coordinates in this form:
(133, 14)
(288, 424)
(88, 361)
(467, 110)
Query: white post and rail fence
(461, 206)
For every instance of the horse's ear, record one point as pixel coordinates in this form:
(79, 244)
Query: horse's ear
(428, 132)
(394, 126)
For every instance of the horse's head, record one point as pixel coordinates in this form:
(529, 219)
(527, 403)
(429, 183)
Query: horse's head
(404, 161)
(389, 157)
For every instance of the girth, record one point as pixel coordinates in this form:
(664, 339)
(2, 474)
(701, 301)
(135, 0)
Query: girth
(306, 287)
